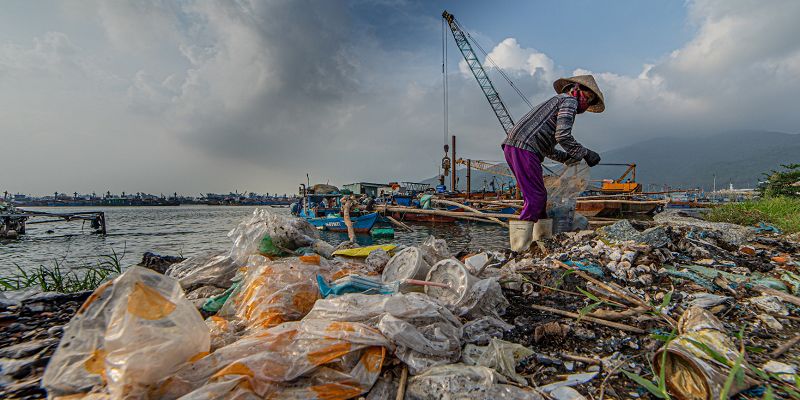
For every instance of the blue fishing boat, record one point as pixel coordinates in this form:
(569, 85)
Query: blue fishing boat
(361, 224)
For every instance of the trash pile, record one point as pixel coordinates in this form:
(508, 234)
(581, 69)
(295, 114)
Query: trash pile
(589, 314)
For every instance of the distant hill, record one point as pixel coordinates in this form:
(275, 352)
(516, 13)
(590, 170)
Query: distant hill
(737, 157)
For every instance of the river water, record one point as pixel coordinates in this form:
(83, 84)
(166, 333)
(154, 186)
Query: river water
(188, 231)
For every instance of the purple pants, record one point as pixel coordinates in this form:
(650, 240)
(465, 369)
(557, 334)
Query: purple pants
(527, 168)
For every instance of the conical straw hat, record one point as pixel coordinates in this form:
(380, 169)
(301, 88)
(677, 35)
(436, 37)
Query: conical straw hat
(588, 82)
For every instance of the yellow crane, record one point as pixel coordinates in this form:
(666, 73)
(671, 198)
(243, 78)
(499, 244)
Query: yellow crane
(621, 185)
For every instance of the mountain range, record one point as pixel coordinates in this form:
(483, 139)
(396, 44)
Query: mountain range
(739, 158)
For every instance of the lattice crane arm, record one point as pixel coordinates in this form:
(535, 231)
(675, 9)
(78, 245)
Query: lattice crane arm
(496, 169)
(475, 66)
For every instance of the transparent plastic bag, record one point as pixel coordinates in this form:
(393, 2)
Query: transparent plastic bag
(274, 292)
(572, 180)
(483, 329)
(434, 250)
(423, 331)
(286, 233)
(129, 334)
(499, 355)
(484, 298)
(209, 269)
(309, 359)
(464, 382)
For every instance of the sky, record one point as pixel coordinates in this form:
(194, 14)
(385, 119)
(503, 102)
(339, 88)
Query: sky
(216, 96)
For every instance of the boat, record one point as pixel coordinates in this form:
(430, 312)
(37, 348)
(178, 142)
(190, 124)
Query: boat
(361, 224)
(599, 206)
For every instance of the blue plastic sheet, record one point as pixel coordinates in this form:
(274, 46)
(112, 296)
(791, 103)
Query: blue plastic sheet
(354, 284)
(765, 228)
(586, 266)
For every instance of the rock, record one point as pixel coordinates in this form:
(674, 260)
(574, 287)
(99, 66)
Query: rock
(770, 322)
(26, 349)
(566, 393)
(55, 331)
(158, 262)
(784, 371)
(769, 304)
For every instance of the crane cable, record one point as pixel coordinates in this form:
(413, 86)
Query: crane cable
(495, 66)
(444, 85)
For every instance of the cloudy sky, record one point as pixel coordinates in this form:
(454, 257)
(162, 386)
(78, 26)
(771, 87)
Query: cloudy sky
(163, 96)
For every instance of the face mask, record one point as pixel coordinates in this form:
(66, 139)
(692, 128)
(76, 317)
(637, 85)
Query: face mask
(583, 99)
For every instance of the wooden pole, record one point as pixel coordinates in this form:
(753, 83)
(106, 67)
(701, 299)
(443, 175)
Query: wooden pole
(469, 177)
(398, 223)
(346, 205)
(588, 319)
(453, 181)
(468, 208)
(454, 214)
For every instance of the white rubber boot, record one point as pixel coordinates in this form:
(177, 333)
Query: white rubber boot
(520, 234)
(543, 229)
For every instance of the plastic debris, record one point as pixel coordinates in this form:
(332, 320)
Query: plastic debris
(691, 372)
(214, 303)
(480, 331)
(210, 269)
(274, 292)
(128, 335)
(363, 251)
(408, 263)
(423, 331)
(354, 284)
(434, 250)
(309, 359)
(377, 260)
(467, 382)
(499, 355)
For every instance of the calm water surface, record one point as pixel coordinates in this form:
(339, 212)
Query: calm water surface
(187, 231)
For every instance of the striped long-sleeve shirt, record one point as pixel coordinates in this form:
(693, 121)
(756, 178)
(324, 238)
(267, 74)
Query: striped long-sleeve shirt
(548, 124)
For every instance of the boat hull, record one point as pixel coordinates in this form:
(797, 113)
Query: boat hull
(615, 208)
(362, 224)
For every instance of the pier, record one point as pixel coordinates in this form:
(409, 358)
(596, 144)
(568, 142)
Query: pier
(14, 221)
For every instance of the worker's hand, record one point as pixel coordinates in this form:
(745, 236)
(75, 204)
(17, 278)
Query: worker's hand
(592, 158)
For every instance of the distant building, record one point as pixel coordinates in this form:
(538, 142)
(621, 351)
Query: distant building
(369, 189)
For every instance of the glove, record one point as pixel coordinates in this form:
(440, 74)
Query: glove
(592, 158)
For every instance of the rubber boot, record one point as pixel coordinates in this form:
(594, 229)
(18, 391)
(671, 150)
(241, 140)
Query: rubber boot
(543, 229)
(520, 234)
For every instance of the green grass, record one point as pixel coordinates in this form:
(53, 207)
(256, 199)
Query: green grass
(783, 212)
(57, 278)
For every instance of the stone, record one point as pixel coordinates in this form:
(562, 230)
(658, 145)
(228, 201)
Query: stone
(770, 322)
(769, 304)
(26, 349)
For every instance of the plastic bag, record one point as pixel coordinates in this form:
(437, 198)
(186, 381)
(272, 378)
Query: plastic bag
(464, 382)
(309, 359)
(483, 329)
(376, 260)
(484, 298)
(562, 194)
(129, 334)
(285, 234)
(274, 292)
(434, 250)
(424, 332)
(499, 355)
(209, 269)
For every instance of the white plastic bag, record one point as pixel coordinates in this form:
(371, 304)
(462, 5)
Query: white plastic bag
(129, 334)
(423, 331)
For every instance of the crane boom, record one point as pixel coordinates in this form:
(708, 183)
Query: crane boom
(480, 74)
(495, 169)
